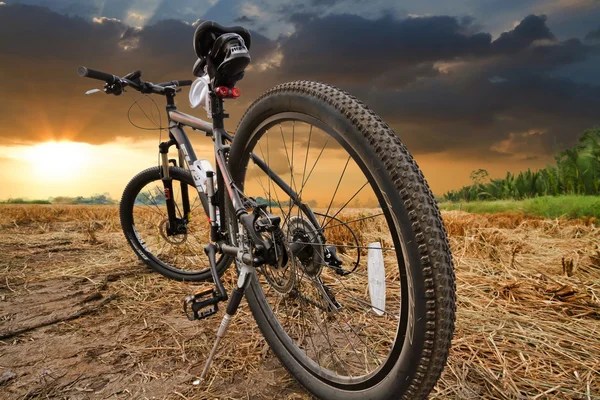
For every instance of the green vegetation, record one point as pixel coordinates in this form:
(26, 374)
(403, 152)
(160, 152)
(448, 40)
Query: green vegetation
(152, 196)
(20, 200)
(577, 172)
(94, 199)
(262, 201)
(546, 206)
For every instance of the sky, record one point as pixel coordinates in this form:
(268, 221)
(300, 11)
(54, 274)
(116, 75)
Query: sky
(466, 84)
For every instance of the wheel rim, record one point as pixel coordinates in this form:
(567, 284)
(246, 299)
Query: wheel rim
(347, 351)
(182, 253)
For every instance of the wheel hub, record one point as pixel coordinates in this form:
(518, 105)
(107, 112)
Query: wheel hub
(172, 239)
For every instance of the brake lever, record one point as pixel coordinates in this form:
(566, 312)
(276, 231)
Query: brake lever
(92, 91)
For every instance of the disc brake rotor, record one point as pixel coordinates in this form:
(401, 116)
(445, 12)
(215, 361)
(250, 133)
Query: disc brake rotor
(175, 239)
(281, 277)
(311, 257)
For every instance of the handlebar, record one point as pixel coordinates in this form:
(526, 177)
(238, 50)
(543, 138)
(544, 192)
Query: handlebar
(115, 84)
(176, 83)
(101, 76)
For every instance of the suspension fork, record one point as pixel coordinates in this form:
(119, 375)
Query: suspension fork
(168, 185)
(185, 198)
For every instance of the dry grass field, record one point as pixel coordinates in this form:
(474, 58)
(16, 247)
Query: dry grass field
(81, 317)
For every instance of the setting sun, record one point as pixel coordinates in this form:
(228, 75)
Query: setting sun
(57, 161)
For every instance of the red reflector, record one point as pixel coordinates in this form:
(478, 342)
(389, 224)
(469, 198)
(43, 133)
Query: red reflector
(222, 91)
(235, 93)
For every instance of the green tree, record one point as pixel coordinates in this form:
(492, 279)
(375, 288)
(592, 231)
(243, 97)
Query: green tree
(577, 171)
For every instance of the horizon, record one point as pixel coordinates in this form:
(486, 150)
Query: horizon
(116, 196)
(492, 85)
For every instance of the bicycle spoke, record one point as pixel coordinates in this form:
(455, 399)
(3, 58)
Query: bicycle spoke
(269, 165)
(290, 163)
(368, 305)
(354, 340)
(344, 206)
(334, 308)
(278, 205)
(313, 167)
(336, 188)
(349, 222)
(153, 203)
(197, 251)
(324, 333)
(361, 301)
(262, 186)
(306, 156)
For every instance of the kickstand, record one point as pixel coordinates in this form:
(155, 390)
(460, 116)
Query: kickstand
(232, 305)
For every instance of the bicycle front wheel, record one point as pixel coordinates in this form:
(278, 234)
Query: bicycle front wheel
(363, 304)
(144, 221)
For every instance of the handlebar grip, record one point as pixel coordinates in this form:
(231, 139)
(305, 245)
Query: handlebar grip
(187, 82)
(101, 76)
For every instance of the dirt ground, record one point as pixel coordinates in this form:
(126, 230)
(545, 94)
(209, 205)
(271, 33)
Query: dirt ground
(81, 317)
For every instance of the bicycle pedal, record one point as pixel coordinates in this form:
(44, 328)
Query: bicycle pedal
(194, 304)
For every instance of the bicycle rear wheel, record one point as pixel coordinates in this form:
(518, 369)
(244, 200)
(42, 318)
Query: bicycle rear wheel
(144, 220)
(366, 310)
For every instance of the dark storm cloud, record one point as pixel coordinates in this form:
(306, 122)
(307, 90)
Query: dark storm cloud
(365, 48)
(244, 20)
(327, 3)
(39, 70)
(532, 28)
(81, 9)
(444, 86)
(409, 47)
(464, 111)
(441, 82)
(593, 35)
(38, 32)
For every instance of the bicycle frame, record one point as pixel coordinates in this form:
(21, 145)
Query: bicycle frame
(178, 137)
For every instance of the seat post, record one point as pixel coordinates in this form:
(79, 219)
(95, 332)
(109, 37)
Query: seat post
(217, 111)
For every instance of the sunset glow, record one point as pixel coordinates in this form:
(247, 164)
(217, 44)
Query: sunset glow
(500, 86)
(57, 161)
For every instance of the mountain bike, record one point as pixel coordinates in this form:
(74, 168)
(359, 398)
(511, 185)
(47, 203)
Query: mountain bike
(338, 243)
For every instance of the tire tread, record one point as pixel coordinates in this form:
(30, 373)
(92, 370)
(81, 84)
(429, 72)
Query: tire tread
(427, 224)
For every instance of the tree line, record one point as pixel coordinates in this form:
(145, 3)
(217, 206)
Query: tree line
(577, 172)
(94, 199)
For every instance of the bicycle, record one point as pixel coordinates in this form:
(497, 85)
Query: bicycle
(347, 320)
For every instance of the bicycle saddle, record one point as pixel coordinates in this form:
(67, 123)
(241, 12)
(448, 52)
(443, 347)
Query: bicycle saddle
(224, 52)
(208, 31)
